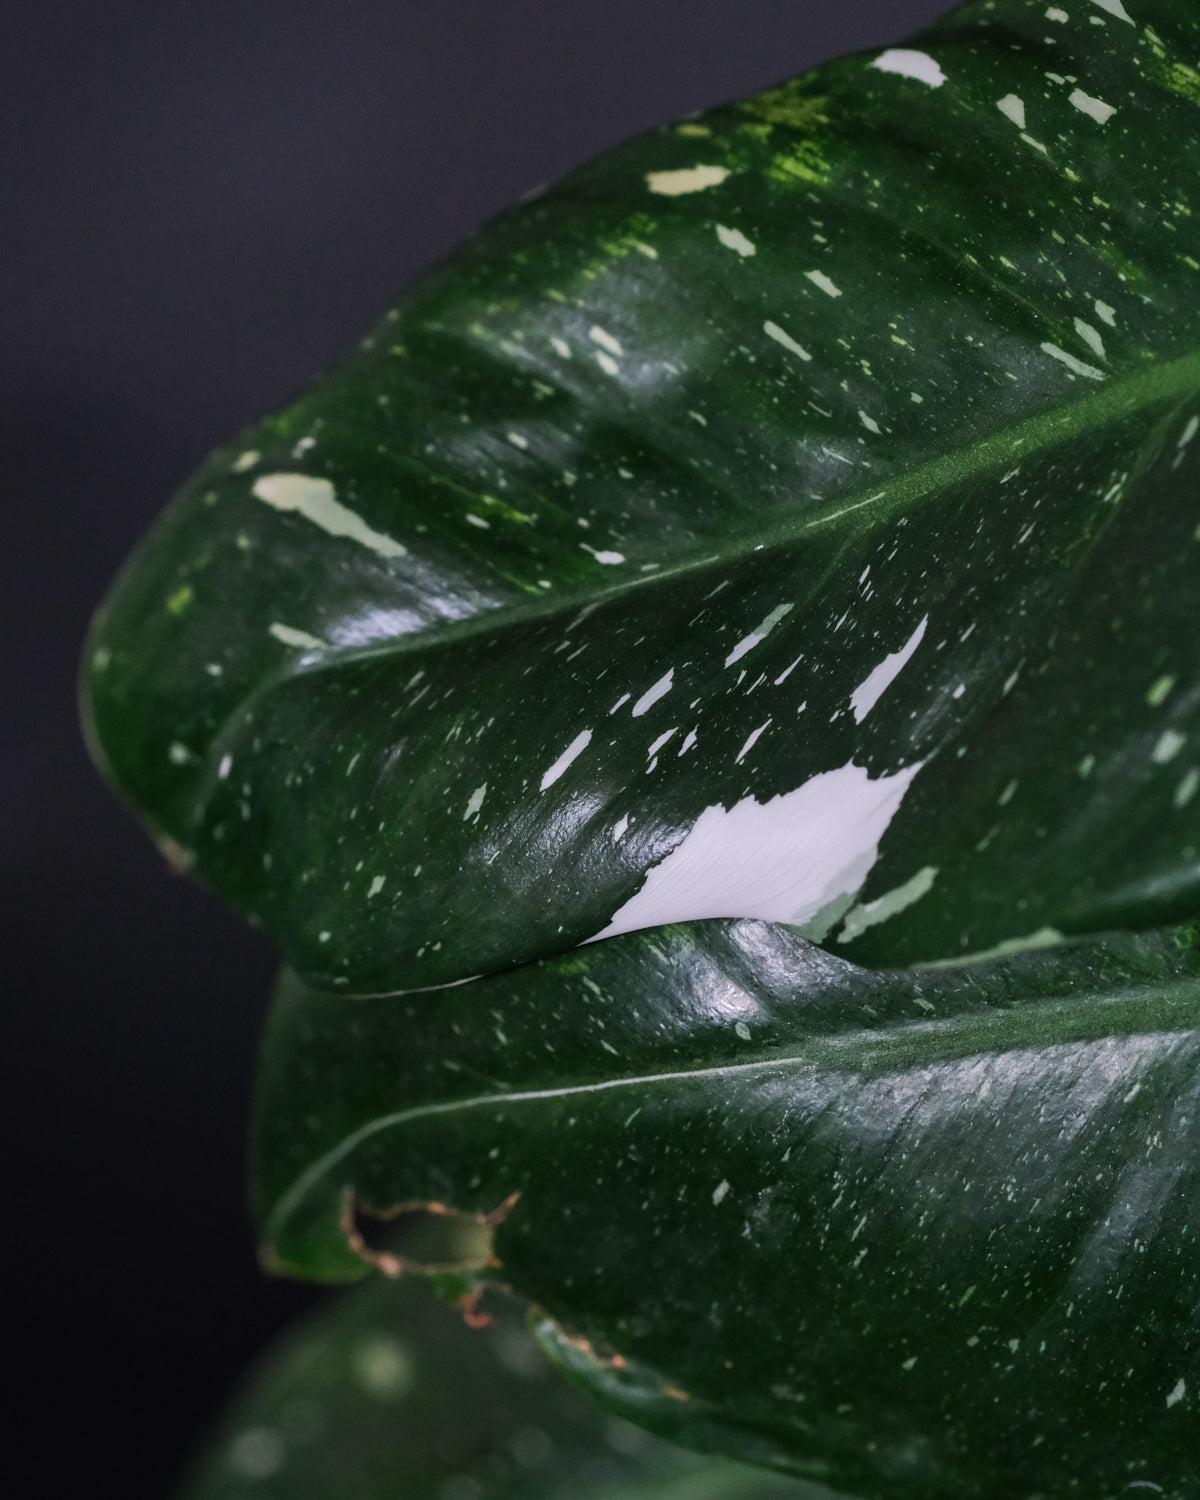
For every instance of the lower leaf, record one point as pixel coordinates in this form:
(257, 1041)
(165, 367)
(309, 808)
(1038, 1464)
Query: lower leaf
(918, 1233)
(384, 1393)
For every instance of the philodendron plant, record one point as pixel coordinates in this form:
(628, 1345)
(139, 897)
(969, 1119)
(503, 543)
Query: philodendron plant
(707, 700)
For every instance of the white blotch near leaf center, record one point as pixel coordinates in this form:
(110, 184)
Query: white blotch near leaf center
(783, 860)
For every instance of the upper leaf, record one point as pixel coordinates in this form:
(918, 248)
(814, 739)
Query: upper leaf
(793, 508)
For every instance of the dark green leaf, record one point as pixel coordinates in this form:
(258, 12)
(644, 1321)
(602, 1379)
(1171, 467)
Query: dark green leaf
(909, 1234)
(794, 507)
(385, 1394)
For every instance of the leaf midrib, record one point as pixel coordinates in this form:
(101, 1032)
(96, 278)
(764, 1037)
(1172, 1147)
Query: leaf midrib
(1171, 1010)
(1044, 430)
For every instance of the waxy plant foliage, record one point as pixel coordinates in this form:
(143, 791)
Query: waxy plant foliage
(706, 698)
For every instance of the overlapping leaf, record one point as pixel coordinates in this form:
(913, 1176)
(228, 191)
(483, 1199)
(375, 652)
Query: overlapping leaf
(908, 1235)
(384, 1394)
(794, 508)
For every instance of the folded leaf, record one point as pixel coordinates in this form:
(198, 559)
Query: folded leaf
(384, 1394)
(790, 515)
(906, 1234)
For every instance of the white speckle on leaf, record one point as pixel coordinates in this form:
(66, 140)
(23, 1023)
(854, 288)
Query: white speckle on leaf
(298, 638)
(760, 632)
(608, 558)
(375, 887)
(751, 741)
(1178, 1392)
(475, 801)
(619, 828)
(868, 422)
(910, 64)
(1105, 313)
(734, 239)
(660, 742)
(868, 693)
(577, 746)
(179, 754)
(624, 698)
(871, 913)
(652, 694)
(600, 336)
(561, 348)
(247, 461)
(780, 861)
(819, 278)
(742, 1030)
(1170, 743)
(225, 767)
(1090, 337)
(773, 331)
(607, 363)
(315, 500)
(1054, 14)
(1114, 8)
(1012, 106)
(479, 521)
(1099, 111)
(1073, 364)
(688, 742)
(686, 180)
(719, 1192)
(1044, 937)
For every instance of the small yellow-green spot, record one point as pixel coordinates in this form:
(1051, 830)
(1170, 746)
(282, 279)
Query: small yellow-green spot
(1008, 793)
(966, 1296)
(505, 511)
(1159, 690)
(907, 1364)
(972, 1341)
(180, 599)
(101, 658)
(690, 128)
(1086, 766)
(246, 461)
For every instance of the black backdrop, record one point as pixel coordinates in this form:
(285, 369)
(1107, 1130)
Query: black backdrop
(205, 204)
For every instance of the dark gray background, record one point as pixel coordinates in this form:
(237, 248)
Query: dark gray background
(206, 203)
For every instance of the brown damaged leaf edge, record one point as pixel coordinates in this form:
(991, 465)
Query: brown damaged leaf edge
(354, 1210)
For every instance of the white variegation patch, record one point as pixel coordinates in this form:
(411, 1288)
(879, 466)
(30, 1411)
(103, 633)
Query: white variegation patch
(783, 860)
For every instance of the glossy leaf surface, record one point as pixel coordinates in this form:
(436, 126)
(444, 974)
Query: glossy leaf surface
(906, 1234)
(793, 508)
(386, 1394)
